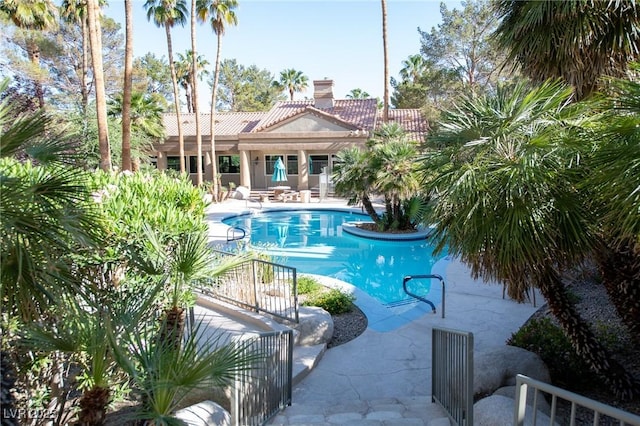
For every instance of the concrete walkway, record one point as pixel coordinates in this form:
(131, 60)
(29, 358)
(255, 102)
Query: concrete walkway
(383, 377)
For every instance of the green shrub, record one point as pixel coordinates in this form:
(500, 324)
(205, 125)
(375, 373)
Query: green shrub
(308, 285)
(333, 301)
(546, 339)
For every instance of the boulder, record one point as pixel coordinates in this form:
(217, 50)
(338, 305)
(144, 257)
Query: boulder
(315, 326)
(205, 413)
(241, 193)
(498, 410)
(498, 367)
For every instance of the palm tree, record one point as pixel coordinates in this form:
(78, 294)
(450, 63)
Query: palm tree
(578, 41)
(387, 168)
(95, 37)
(146, 113)
(194, 93)
(614, 182)
(128, 87)
(412, 68)
(385, 101)
(44, 215)
(75, 11)
(292, 81)
(33, 16)
(358, 94)
(507, 204)
(168, 13)
(184, 70)
(219, 13)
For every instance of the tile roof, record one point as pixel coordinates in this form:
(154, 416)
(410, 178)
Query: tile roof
(360, 113)
(227, 123)
(411, 120)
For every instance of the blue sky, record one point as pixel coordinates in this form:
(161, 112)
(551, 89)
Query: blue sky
(340, 39)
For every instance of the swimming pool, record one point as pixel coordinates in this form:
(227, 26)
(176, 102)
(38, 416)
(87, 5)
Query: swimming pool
(313, 242)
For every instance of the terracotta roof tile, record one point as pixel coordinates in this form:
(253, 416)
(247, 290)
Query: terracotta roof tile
(360, 113)
(227, 123)
(411, 121)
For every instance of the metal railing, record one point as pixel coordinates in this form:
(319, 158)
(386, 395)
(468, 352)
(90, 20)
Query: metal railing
(231, 233)
(452, 374)
(265, 388)
(602, 413)
(408, 278)
(260, 286)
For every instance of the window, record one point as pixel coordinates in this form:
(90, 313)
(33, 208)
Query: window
(292, 164)
(317, 162)
(193, 166)
(269, 163)
(229, 164)
(173, 163)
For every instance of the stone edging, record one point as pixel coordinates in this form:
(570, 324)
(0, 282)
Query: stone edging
(353, 229)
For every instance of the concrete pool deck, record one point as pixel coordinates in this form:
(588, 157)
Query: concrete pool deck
(383, 377)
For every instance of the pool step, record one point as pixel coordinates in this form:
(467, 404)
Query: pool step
(403, 302)
(414, 411)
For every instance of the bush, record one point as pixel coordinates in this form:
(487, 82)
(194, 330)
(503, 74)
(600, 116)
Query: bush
(333, 301)
(546, 339)
(308, 285)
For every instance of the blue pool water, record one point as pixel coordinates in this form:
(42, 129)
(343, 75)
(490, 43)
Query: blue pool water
(313, 242)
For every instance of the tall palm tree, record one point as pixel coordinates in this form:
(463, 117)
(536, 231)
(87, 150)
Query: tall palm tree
(292, 81)
(95, 37)
(75, 11)
(578, 41)
(507, 204)
(220, 13)
(127, 87)
(33, 16)
(168, 13)
(615, 181)
(184, 71)
(412, 68)
(385, 50)
(194, 94)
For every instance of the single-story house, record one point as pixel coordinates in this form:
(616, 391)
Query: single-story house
(305, 135)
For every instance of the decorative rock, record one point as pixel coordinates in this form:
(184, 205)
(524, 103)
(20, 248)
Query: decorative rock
(205, 413)
(241, 193)
(315, 326)
(497, 368)
(498, 410)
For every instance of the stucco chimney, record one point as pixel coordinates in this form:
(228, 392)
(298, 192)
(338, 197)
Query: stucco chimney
(323, 93)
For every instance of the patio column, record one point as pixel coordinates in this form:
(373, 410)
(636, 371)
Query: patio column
(303, 170)
(245, 169)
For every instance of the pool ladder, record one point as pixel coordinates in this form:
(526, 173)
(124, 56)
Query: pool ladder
(408, 278)
(231, 233)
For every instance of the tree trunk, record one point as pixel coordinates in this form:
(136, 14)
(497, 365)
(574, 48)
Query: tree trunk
(214, 89)
(172, 327)
(95, 37)
(84, 90)
(176, 97)
(93, 406)
(127, 87)
(368, 207)
(194, 93)
(385, 111)
(622, 384)
(33, 52)
(620, 270)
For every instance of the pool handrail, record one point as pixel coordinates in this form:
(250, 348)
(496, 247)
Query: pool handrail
(408, 278)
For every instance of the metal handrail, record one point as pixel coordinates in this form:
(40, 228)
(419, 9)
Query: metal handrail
(233, 235)
(423, 299)
(598, 408)
(255, 200)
